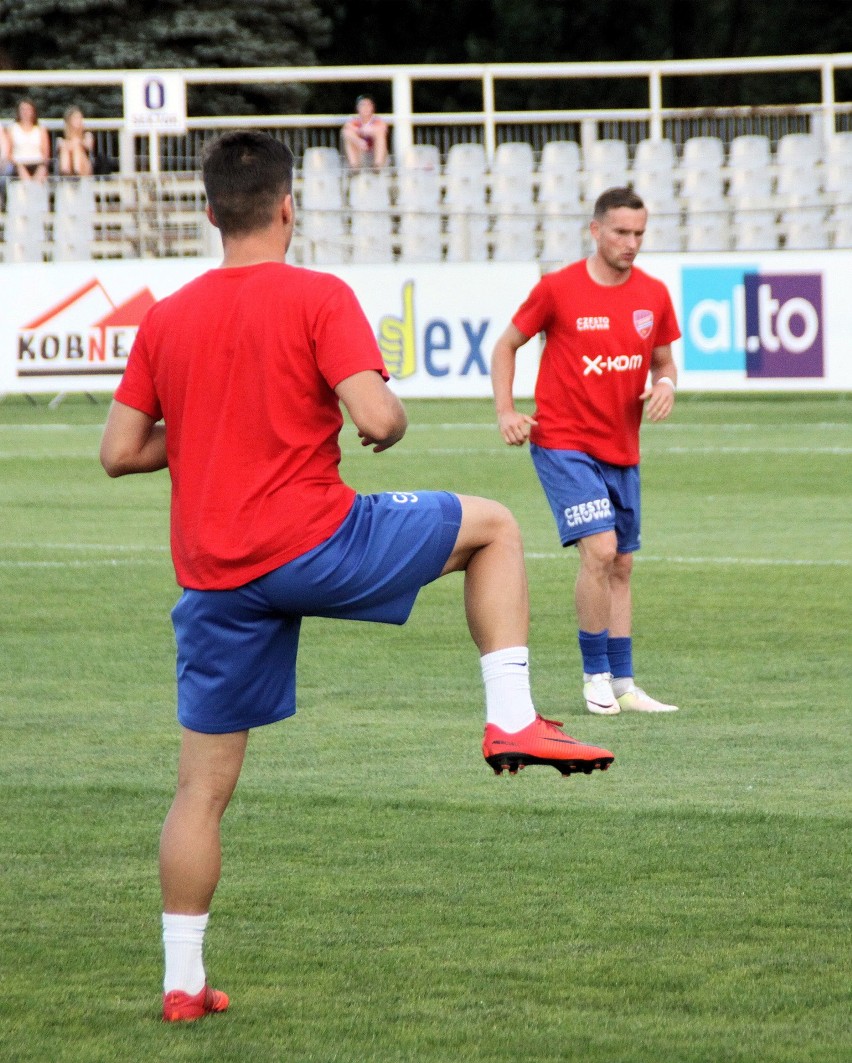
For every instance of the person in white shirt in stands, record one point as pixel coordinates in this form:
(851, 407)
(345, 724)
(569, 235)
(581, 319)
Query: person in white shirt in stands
(30, 144)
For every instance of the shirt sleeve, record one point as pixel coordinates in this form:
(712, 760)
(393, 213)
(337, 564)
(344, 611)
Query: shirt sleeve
(535, 313)
(344, 342)
(136, 387)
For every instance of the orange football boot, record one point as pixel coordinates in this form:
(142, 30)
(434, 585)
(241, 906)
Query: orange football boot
(541, 742)
(183, 1007)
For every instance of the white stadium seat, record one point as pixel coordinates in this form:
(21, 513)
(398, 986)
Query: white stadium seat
(702, 189)
(465, 190)
(421, 157)
(512, 189)
(654, 156)
(24, 226)
(467, 239)
(560, 156)
(605, 165)
(656, 190)
(798, 148)
(371, 237)
(754, 230)
(804, 230)
(841, 226)
(750, 185)
(369, 191)
(799, 185)
(562, 237)
(514, 238)
(749, 151)
(513, 157)
(703, 153)
(662, 232)
(420, 237)
(466, 158)
(73, 220)
(708, 231)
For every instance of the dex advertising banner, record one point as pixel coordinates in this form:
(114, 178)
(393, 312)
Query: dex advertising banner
(70, 326)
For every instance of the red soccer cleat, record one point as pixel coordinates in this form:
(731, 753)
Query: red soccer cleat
(182, 1007)
(541, 743)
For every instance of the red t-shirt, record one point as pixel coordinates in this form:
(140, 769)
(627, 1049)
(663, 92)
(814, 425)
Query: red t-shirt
(241, 364)
(597, 353)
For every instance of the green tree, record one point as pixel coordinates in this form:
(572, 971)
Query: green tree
(98, 34)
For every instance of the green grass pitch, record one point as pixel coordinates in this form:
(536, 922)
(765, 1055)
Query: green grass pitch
(385, 897)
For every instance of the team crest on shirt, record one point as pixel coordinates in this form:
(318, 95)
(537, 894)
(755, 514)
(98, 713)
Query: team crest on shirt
(643, 321)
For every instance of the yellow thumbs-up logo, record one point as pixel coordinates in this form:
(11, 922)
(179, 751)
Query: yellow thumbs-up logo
(396, 338)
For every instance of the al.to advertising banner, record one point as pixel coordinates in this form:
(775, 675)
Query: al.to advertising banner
(775, 321)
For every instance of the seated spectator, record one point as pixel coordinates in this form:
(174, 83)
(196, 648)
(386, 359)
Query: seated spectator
(365, 136)
(76, 146)
(30, 144)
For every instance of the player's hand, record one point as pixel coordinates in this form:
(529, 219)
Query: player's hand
(378, 447)
(515, 427)
(659, 401)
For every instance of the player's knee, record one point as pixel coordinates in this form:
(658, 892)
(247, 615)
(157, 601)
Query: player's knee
(599, 551)
(504, 526)
(485, 521)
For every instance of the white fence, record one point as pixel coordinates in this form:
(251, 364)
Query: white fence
(823, 114)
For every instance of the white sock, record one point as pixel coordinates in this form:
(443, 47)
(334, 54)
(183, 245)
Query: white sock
(506, 675)
(621, 686)
(183, 941)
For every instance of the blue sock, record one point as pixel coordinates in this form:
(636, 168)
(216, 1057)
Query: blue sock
(620, 653)
(593, 649)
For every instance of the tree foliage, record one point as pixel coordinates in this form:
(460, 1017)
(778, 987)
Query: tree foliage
(98, 34)
(63, 34)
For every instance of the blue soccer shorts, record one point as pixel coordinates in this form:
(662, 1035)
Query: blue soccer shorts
(236, 649)
(588, 496)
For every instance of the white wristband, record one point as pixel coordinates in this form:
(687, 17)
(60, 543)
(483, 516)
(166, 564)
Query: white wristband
(666, 380)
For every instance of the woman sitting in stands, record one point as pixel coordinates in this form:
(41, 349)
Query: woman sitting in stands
(75, 146)
(29, 143)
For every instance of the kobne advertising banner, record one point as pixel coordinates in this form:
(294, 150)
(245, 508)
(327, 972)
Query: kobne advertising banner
(776, 321)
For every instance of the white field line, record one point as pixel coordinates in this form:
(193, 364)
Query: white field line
(766, 561)
(530, 556)
(92, 455)
(489, 426)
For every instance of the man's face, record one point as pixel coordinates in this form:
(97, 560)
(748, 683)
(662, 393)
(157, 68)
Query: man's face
(619, 236)
(366, 109)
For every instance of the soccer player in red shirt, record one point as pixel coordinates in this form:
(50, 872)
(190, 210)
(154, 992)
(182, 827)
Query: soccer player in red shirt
(607, 325)
(234, 384)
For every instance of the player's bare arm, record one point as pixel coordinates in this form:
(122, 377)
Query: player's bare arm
(378, 414)
(660, 396)
(514, 426)
(132, 442)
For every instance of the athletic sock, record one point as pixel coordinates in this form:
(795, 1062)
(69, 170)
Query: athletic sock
(508, 701)
(183, 941)
(620, 651)
(593, 647)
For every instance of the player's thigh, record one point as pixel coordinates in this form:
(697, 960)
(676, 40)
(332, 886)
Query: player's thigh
(388, 548)
(576, 491)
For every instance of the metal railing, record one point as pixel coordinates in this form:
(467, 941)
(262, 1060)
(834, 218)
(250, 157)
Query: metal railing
(154, 152)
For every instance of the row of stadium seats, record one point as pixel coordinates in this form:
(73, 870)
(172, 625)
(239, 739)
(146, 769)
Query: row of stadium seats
(711, 198)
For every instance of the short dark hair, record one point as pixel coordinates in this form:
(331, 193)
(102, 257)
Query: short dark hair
(246, 173)
(613, 198)
(364, 96)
